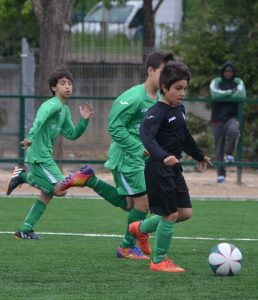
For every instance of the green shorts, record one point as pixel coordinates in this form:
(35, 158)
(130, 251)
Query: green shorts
(129, 184)
(44, 175)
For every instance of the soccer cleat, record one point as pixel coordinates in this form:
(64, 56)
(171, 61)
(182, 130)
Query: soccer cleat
(15, 180)
(166, 265)
(220, 179)
(230, 159)
(142, 238)
(131, 253)
(26, 235)
(78, 179)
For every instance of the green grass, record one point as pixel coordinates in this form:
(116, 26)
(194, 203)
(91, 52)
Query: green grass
(62, 267)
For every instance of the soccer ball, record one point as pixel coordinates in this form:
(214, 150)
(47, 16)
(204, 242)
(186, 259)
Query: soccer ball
(225, 259)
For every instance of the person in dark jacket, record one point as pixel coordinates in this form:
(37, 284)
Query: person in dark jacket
(224, 115)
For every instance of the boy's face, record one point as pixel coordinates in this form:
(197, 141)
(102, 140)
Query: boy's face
(176, 92)
(63, 89)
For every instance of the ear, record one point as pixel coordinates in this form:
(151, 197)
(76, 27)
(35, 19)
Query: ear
(149, 70)
(164, 89)
(53, 88)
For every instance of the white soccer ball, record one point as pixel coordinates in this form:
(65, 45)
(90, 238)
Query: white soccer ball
(225, 259)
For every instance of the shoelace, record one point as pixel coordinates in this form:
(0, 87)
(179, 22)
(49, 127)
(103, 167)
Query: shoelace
(84, 169)
(66, 180)
(170, 263)
(136, 250)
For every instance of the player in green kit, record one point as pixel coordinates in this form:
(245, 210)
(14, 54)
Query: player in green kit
(53, 119)
(126, 155)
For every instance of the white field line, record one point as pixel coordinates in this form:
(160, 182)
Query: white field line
(120, 236)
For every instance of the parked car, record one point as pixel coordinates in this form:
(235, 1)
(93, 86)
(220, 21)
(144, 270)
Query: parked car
(126, 19)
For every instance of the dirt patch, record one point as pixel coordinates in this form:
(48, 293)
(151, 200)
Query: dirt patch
(201, 185)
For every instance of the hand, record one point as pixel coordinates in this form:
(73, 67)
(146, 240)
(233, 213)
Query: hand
(170, 161)
(25, 143)
(202, 165)
(86, 110)
(146, 153)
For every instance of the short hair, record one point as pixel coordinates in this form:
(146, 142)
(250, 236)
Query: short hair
(156, 59)
(58, 73)
(172, 72)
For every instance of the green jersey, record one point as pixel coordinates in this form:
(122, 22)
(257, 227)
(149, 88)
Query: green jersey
(126, 152)
(53, 118)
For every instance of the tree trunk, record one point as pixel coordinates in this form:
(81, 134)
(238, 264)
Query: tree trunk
(149, 26)
(54, 18)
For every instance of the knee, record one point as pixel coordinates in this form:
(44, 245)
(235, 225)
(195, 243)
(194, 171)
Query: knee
(184, 215)
(142, 205)
(60, 193)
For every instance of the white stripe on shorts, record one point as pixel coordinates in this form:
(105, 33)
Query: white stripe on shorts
(50, 176)
(126, 185)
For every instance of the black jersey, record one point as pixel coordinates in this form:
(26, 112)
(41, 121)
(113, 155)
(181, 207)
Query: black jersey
(164, 132)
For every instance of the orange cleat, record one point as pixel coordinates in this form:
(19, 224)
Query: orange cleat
(142, 238)
(166, 265)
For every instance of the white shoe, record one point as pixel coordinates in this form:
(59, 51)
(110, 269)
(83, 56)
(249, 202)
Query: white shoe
(230, 158)
(220, 179)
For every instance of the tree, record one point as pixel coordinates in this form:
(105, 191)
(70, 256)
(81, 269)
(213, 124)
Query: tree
(149, 26)
(54, 18)
(18, 18)
(220, 31)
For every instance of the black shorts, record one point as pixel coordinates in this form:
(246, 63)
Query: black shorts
(166, 188)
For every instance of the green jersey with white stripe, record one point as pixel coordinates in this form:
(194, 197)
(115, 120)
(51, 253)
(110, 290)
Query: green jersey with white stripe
(126, 152)
(53, 118)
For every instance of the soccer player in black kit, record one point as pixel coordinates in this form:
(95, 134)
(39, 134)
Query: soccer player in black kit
(165, 135)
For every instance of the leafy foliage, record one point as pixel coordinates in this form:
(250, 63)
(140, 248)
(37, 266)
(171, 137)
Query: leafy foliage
(18, 17)
(220, 31)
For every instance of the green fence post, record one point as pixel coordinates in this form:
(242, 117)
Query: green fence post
(240, 141)
(22, 127)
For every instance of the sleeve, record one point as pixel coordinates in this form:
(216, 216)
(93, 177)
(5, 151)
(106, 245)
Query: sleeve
(216, 92)
(70, 131)
(240, 90)
(148, 130)
(45, 111)
(190, 147)
(120, 116)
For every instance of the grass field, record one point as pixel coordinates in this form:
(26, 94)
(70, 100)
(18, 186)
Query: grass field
(75, 259)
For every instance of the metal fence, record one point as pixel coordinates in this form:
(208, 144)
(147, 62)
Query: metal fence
(119, 47)
(93, 145)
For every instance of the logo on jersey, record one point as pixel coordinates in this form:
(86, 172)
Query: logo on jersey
(150, 117)
(123, 102)
(171, 119)
(53, 126)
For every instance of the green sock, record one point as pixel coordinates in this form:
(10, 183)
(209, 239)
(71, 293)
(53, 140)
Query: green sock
(164, 237)
(133, 216)
(108, 192)
(24, 177)
(150, 225)
(33, 216)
